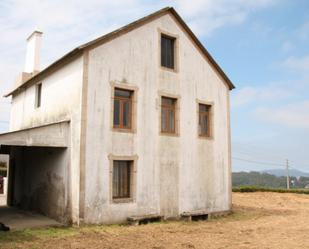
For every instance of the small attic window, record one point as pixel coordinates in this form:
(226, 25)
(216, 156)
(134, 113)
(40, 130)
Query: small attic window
(168, 51)
(38, 95)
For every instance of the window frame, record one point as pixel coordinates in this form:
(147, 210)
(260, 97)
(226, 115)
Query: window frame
(122, 100)
(133, 178)
(38, 95)
(177, 99)
(134, 91)
(176, 50)
(210, 105)
(168, 108)
(173, 42)
(128, 180)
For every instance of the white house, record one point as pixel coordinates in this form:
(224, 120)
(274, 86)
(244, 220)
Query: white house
(133, 123)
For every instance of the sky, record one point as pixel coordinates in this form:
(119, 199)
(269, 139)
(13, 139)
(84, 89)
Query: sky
(262, 45)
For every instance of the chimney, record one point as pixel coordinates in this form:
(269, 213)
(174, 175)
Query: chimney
(32, 65)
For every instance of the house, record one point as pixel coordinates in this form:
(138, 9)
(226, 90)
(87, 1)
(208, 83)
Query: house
(133, 123)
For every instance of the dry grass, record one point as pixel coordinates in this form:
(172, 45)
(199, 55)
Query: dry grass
(259, 220)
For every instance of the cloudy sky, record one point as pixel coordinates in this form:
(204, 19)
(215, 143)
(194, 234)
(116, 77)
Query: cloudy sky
(262, 45)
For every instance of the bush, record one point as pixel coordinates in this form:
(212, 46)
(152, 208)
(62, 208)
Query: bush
(262, 189)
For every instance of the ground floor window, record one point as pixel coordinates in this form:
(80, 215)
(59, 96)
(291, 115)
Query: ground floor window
(122, 175)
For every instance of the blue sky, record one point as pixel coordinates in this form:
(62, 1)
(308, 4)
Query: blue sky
(262, 45)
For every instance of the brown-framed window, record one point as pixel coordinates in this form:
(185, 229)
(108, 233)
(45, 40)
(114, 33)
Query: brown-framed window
(168, 115)
(204, 121)
(38, 95)
(122, 109)
(122, 171)
(167, 51)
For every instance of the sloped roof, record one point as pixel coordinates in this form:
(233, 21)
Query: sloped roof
(123, 30)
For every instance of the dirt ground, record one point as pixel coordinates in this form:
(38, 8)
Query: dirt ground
(259, 220)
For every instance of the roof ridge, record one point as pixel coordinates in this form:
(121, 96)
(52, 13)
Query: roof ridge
(124, 29)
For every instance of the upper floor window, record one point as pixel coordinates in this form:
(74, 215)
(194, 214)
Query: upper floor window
(168, 115)
(167, 51)
(204, 121)
(122, 109)
(38, 95)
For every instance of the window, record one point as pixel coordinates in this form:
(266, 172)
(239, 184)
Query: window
(168, 115)
(122, 171)
(167, 51)
(38, 95)
(204, 120)
(122, 109)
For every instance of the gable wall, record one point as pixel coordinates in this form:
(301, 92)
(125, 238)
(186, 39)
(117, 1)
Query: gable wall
(174, 173)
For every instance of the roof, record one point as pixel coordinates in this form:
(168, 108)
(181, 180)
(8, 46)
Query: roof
(123, 30)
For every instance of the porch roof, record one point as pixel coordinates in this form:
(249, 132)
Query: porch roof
(50, 135)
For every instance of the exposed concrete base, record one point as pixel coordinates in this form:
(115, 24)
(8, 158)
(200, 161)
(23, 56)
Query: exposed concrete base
(203, 215)
(17, 219)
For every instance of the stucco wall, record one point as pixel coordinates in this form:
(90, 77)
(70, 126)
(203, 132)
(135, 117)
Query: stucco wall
(41, 181)
(61, 100)
(174, 173)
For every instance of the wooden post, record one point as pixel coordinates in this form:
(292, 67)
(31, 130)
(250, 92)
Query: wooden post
(287, 175)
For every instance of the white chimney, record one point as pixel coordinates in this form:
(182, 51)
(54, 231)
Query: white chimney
(32, 65)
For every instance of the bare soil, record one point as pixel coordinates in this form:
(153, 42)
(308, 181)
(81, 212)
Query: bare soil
(259, 220)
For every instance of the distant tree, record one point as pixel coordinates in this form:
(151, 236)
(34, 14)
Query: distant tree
(266, 180)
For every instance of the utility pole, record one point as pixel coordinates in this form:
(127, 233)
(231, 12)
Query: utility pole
(287, 175)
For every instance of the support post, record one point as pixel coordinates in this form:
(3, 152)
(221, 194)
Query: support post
(287, 175)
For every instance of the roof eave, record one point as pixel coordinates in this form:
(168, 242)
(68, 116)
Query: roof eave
(69, 55)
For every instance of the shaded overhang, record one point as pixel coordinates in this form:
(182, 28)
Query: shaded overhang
(51, 135)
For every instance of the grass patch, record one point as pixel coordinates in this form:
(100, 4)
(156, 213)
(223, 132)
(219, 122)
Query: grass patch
(243, 189)
(34, 234)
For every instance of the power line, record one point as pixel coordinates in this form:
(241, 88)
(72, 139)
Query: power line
(257, 162)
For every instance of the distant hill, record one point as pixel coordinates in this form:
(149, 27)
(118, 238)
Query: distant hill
(267, 180)
(282, 172)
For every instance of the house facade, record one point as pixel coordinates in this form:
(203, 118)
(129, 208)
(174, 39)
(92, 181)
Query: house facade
(136, 122)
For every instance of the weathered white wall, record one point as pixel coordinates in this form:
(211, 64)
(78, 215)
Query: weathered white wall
(41, 181)
(174, 173)
(61, 100)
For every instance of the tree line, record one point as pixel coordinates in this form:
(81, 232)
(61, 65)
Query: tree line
(254, 178)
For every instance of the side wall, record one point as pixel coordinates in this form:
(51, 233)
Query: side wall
(61, 100)
(173, 173)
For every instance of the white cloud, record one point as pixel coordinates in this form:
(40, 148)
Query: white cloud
(303, 31)
(287, 46)
(248, 95)
(299, 65)
(292, 115)
(205, 16)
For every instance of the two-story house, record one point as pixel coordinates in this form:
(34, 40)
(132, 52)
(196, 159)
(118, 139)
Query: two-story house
(133, 123)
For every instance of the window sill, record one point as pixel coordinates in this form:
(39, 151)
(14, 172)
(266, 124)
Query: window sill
(169, 134)
(123, 130)
(206, 137)
(172, 70)
(122, 200)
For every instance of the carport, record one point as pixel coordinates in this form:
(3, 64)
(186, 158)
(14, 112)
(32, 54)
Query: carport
(39, 172)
